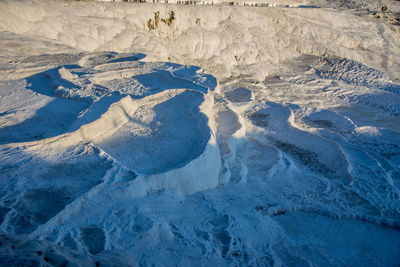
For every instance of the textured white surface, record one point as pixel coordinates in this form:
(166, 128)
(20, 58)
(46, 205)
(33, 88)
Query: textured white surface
(281, 148)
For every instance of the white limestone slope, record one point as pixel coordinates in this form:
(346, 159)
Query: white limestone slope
(254, 137)
(227, 36)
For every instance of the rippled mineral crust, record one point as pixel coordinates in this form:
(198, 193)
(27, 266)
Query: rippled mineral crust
(230, 135)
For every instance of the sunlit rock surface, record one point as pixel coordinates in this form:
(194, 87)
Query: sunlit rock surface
(233, 136)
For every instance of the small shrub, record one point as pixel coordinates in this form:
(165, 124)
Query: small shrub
(171, 16)
(170, 19)
(384, 8)
(150, 24)
(154, 24)
(156, 19)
